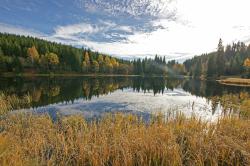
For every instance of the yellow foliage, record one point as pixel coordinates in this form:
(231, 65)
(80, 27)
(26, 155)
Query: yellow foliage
(95, 66)
(86, 58)
(33, 53)
(84, 66)
(100, 59)
(107, 60)
(52, 58)
(114, 62)
(247, 62)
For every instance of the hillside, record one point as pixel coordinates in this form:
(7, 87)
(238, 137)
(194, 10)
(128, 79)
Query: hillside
(28, 54)
(20, 54)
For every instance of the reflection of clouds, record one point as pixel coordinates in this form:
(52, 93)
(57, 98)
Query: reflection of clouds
(89, 110)
(138, 103)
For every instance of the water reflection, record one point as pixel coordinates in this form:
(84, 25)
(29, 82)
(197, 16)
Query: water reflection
(230, 99)
(45, 91)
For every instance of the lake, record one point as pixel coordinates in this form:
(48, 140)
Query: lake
(94, 96)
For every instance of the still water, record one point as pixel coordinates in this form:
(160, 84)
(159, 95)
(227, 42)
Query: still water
(95, 96)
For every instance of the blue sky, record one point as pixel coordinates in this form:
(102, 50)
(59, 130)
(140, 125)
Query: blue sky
(131, 28)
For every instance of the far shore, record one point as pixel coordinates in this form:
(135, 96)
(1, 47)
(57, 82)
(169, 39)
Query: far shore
(59, 75)
(235, 82)
(80, 75)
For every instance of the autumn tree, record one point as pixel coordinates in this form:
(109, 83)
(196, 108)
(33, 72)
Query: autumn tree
(86, 62)
(108, 67)
(51, 59)
(33, 54)
(114, 63)
(100, 58)
(95, 66)
(247, 65)
(86, 58)
(100, 62)
(84, 67)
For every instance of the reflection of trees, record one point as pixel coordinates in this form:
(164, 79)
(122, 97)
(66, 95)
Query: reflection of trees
(36, 94)
(233, 103)
(157, 84)
(86, 88)
(101, 86)
(46, 90)
(231, 99)
(43, 91)
(211, 88)
(53, 91)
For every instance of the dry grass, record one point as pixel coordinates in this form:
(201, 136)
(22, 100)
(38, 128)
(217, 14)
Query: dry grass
(27, 139)
(236, 81)
(12, 102)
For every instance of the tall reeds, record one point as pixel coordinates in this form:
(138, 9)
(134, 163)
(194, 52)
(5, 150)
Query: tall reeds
(27, 139)
(12, 102)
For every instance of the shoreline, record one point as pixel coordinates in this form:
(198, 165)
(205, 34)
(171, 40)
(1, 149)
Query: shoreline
(235, 82)
(81, 75)
(60, 75)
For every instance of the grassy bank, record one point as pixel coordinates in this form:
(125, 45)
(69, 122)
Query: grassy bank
(123, 140)
(235, 81)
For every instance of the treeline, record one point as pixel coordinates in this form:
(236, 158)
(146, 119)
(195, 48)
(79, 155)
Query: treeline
(21, 54)
(27, 54)
(31, 55)
(232, 60)
(157, 66)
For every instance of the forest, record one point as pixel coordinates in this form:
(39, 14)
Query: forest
(232, 60)
(20, 54)
(28, 54)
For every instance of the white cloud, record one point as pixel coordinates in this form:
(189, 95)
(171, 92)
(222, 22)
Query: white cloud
(200, 25)
(106, 31)
(135, 8)
(76, 28)
(87, 28)
(197, 30)
(125, 28)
